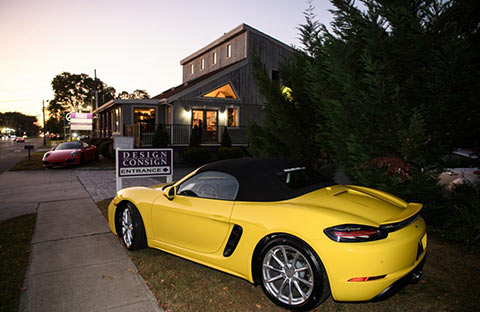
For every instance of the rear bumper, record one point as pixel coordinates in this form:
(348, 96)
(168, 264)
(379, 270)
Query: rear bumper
(411, 278)
(385, 261)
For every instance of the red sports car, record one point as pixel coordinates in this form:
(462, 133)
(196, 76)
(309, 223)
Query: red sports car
(69, 153)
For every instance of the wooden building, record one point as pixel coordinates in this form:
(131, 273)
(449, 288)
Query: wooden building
(218, 91)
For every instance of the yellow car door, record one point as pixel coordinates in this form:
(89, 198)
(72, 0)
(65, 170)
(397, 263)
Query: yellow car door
(198, 217)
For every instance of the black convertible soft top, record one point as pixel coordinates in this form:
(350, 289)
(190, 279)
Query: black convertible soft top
(269, 179)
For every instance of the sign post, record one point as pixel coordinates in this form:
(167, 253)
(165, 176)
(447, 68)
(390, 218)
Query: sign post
(28, 147)
(149, 162)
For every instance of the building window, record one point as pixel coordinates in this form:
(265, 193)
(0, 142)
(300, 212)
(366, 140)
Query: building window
(214, 58)
(116, 120)
(232, 117)
(202, 64)
(225, 91)
(192, 69)
(229, 50)
(169, 115)
(146, 118)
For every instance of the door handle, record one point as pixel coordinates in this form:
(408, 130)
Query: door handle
(217, 218)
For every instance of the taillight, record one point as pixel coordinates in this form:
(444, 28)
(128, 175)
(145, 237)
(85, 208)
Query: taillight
(354, 233)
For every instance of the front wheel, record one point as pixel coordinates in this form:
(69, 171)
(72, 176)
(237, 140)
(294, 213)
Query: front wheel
(292, 276)
(130, 227)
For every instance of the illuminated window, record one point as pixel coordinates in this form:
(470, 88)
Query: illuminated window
(169, 115)
(146, 118)
(214, 58)
(192, 69)
(229, 50)
(202, 64)
(225, 91)
(232, 117)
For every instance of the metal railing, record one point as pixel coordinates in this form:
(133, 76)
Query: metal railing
(179, 134)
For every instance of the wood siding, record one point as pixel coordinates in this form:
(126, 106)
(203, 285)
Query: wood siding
(238, 54)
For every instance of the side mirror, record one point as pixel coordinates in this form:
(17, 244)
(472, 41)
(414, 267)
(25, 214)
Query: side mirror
(170, 192)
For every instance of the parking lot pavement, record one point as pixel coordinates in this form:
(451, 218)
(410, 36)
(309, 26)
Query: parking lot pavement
(101, 184)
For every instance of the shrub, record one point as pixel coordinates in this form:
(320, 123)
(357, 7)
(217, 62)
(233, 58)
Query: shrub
(105, 148)
(457, 218)
(229, 152)
(160, 138)
(196, 155)
(196, 137)
(225, 141)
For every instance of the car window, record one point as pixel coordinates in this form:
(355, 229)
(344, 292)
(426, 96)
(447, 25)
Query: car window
(300, 177)
(210, 184)
(69, 145)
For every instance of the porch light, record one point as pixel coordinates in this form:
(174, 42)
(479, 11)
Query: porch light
(223, 115)
(186, 114)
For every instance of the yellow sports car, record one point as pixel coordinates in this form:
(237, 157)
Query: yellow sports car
(279, 224)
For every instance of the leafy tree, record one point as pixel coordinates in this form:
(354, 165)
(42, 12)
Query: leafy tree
(20, 122)
(74, 92)
(137, 94)
(54, 125)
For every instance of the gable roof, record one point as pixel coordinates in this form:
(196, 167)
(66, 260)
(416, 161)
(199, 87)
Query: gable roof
(192, 83)
(229, 35)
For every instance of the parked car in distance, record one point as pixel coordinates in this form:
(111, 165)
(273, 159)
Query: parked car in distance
(279, 224)
(69, 153)
(461, 166)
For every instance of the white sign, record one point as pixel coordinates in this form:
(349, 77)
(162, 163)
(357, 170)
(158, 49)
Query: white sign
(123, 142)
(81, 121)
(148, 162)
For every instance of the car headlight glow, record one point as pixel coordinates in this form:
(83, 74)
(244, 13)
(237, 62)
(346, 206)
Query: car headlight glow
(353, 233)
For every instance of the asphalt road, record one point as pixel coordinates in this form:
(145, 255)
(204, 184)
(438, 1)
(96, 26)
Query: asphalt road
(11, 152)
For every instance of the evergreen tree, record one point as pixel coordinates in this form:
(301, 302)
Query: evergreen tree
(160, 138)
(289, 127)
(402, 79)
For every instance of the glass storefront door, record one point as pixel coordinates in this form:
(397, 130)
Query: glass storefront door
(207, 120)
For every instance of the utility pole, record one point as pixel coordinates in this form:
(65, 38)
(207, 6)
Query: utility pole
(96, 90)
(44, 134)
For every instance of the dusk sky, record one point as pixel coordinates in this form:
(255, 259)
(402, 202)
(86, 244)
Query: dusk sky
(131, 44)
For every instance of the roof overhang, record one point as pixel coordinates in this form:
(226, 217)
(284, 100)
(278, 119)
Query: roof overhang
(122, 102)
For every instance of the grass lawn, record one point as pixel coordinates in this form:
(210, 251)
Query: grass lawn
(448, 284)
(35, 163)
(15, 237)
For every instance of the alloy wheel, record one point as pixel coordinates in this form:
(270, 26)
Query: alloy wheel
(127, 227)
(287, 275)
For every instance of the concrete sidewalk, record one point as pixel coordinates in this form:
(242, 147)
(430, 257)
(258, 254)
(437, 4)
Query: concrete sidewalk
(76, 263)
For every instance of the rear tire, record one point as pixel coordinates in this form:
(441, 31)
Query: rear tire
(291, 275)
(130, 228)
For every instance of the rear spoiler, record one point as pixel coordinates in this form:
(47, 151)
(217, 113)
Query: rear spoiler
(411, 210)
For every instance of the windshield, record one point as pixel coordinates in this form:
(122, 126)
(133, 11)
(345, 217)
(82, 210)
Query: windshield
(69, 145)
